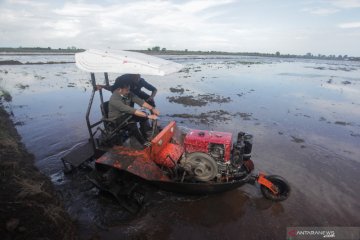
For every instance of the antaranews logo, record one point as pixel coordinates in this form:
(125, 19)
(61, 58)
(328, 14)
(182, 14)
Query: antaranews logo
(309, 233)
(316, 233)
(292, 233)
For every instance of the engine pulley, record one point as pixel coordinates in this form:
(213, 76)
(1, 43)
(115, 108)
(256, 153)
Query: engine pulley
(200, 165)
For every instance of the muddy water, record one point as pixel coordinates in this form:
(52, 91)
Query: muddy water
(304, 115)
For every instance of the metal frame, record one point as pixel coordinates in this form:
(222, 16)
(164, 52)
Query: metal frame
(89, 125)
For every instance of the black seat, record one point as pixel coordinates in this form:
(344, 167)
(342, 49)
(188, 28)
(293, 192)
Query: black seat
(108, 124)
(105, 109)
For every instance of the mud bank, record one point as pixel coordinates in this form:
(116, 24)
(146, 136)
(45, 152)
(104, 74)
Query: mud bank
(30, 207)
(14, 62)
(197, 101)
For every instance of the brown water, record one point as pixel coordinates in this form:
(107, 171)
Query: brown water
(304, 115)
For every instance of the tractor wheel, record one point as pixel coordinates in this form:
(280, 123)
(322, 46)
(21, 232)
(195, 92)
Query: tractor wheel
(282, 186)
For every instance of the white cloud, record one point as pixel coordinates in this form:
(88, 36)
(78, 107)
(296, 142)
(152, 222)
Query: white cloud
(78, 9)
(330, 6)
(321, 11)
(227, 25)
(29, 3)
(200, 5)
(349, 25)
(68, 28)
(346, 3)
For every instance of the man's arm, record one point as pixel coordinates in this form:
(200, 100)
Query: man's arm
(153, 93)
(144, 104)
(149, 87)
(143, 114)
(151, 108)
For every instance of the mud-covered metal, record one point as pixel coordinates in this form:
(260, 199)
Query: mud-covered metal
(163, 151)
(137, 162)
(145, 163)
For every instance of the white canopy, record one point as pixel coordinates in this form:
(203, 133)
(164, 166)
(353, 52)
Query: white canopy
(118, 61)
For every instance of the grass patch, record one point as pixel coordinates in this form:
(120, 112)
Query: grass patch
(29, 187)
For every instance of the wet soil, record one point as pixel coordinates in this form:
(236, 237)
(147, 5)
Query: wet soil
(30, 207)
(177, 90)
(212, 116)
(199, 100)
(14, 62)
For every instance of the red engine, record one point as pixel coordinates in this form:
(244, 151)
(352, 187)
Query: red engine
(216, 144)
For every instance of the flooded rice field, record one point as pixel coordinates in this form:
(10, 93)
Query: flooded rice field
(304, 116)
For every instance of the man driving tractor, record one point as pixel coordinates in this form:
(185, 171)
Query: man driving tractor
(120, 108)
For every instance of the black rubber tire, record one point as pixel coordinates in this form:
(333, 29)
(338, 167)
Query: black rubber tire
(282, 185)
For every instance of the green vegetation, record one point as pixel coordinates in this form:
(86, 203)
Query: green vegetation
(159, 50)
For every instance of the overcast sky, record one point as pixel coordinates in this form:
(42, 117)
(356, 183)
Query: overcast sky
(288, 26)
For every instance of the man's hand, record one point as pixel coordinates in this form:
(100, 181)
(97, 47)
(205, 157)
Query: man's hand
(155, 111)
(152, 117)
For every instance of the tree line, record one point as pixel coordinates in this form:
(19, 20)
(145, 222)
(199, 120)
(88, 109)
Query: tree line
(159, 50)
(162, 50)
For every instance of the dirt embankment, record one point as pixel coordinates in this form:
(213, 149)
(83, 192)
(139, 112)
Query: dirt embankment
(14, 62)
(29, 205)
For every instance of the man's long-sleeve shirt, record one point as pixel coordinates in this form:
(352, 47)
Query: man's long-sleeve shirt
(136, 88)
(119, 105)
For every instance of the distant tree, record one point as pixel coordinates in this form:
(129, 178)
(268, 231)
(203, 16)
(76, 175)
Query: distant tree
(186, 50)
(156, 49)
(149, 49)
(277, 54)
(163, 49)
(308, 55)
(49, 48)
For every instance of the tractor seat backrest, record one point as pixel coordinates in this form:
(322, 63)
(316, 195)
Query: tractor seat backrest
(105, 109)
